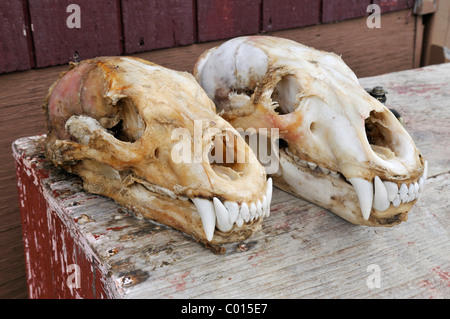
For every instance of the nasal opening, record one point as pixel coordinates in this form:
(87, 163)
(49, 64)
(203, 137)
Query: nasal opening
(379, 135)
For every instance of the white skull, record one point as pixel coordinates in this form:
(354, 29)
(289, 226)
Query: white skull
(118, 123)
(341, 148)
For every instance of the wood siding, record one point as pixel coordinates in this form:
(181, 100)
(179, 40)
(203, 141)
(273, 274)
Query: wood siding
(35, 33)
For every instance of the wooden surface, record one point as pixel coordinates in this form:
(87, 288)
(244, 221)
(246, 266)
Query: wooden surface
(302, 250)
(22, 94)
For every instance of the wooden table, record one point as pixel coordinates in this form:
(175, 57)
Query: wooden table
(83, 245)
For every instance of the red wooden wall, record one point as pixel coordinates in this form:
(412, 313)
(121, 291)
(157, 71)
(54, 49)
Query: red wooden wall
(34, 33)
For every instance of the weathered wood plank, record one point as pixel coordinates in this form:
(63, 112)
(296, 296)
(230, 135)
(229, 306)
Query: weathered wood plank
(367, 51)
(150, 25)
(302, 251)
(219, 19)
(57, 42)
(15, 55)
(336, 10)
(285, 14)
(393, 5)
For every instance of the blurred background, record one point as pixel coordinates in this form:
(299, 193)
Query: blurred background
(38, 38)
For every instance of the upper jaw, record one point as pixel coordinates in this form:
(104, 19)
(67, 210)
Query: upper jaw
(228, 215)
(374, 201)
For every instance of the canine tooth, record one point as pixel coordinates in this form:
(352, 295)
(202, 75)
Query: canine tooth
(222, 216)
(269, 192)
(312, 165)
(324, 170)
(403, 192)
(259, 210)
(425, 171)
(392, 190)
(364, 190)
(396, 201)
(239, 221)
(380, 199)
(245, 213)
(421, 182)
(207, 214)
(268, 196)
(233, 209)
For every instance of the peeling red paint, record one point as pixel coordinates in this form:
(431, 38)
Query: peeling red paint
(50, 246)
(444, 275)
(97, 235)
(179, 281)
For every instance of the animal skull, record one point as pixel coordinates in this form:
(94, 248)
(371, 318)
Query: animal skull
(340, 148)
(112, 121)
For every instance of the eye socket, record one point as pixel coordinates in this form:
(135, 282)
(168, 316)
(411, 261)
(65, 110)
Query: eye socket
(285, 94)
(131, 126)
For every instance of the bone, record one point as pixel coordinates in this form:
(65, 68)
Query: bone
(403, 191)
(364, 190)
(380, 198)
(112, 121)
(317, 103)
(208, 215)
(269, 196)
(223, 219)
(233, 209)
(392, 189)
(245, 212)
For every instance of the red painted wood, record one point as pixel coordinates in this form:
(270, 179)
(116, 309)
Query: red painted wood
(220, 19)
(286, 14)
(14, 31)
(336, 10)
(56, 43)
(154, 24)
(49, 244)
(394, 5)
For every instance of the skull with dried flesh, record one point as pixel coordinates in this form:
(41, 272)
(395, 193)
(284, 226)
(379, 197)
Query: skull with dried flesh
(118, 123)
(339, 147)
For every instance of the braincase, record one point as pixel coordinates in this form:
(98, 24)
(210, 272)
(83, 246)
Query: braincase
(166, 97)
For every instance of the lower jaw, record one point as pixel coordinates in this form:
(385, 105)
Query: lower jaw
(178, 214)
(333, 194)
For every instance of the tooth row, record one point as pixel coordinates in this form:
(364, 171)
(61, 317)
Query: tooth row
(312, 166)
(403, 194)
(224, 215)
(381, 194)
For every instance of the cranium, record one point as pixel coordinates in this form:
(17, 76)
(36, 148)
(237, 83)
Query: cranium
(340, 148)
(117, 122)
